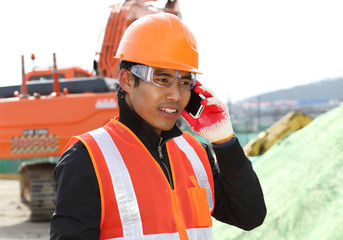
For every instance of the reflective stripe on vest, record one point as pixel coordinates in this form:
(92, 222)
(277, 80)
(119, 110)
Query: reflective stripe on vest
(198, 168)
(194, 233)
(123, 187)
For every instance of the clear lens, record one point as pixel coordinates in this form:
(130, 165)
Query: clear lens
(164, 77)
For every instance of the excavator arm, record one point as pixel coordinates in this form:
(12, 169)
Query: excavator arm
(121, 16)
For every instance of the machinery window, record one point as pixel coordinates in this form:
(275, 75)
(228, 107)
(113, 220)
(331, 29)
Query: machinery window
(45, 77)
(80, 74)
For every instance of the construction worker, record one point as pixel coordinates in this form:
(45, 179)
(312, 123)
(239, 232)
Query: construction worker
(140, 176)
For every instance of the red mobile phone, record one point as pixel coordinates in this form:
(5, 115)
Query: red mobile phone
(194, 108)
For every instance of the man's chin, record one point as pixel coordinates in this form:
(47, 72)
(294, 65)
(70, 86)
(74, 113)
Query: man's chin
(164, 127)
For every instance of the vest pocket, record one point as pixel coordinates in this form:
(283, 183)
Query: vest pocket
(198, 199)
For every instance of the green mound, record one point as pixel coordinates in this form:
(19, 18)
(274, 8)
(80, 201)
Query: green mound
(302, 180)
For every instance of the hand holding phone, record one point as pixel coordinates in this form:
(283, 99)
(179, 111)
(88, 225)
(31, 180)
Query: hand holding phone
(207, 116)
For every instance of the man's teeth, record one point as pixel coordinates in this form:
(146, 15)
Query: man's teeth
(168, 110)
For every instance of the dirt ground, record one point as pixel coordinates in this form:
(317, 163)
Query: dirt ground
(14, 216)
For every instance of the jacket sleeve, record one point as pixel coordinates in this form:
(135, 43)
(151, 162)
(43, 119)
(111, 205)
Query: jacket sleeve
(239, 198)
(77, 214)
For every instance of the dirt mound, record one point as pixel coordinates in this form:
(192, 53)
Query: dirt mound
(302, 178)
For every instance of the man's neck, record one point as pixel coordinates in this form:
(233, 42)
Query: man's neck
(142, 129)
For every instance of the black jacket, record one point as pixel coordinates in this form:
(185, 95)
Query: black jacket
(238, 195)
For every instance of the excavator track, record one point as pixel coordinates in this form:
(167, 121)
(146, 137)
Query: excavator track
(37, 189)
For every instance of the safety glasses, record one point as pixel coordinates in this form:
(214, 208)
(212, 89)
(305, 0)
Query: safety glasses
(164, 77)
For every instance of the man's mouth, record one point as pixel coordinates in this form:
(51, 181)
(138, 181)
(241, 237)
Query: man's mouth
(168, 110)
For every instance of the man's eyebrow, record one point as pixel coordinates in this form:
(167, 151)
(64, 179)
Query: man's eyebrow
(186, 77)
(163, 73)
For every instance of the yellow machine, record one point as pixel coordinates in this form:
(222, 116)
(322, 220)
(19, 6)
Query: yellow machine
(291, 122)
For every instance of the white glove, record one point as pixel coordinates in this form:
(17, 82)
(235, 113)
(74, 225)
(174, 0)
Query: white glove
(214, 123)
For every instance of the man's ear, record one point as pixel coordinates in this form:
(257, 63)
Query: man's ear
(125, 80)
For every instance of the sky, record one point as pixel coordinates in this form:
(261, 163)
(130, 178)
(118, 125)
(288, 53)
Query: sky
(246, 47)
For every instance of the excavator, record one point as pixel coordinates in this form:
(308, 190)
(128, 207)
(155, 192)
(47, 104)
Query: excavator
(38, 117)
(289, 123)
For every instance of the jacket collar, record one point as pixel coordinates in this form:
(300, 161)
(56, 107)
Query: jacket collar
(143, 130)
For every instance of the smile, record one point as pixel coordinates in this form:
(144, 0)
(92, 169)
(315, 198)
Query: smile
(168, 110)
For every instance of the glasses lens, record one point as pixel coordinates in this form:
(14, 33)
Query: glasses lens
(164, 77)
(167, 77)
(187, 80)
(141, 71)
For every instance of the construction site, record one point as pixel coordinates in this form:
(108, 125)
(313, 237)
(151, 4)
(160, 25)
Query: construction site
(298, 158)
(301, 179)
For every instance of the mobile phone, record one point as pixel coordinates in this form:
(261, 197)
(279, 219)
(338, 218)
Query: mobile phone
(194, 108)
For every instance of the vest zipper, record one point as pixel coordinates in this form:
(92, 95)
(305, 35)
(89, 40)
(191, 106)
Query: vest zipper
(159, 149)
(176, 210)
(168, 173)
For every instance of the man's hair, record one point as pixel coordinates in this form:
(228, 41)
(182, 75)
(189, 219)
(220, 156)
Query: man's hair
(125, 65)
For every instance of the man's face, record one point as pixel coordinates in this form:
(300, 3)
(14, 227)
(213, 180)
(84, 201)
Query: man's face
(159, 106)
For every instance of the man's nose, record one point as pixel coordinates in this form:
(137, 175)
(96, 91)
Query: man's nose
(174, 91)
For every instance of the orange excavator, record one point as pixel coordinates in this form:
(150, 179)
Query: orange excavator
(38, 117)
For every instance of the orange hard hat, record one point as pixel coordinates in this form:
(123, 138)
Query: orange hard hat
(160, 40)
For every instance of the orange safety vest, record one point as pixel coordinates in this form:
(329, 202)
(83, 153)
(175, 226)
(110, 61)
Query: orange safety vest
(137, 201)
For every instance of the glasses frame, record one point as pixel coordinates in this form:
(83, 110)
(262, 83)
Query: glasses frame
(146, 73)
